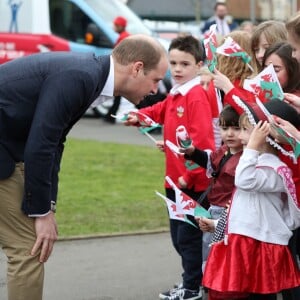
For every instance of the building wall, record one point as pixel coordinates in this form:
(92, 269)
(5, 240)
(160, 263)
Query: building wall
(264, 9)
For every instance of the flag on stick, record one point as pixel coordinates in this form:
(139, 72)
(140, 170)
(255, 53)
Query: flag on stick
(174, 214)
(233, 49)
(210, 46)
(186, 204)
(265, 85)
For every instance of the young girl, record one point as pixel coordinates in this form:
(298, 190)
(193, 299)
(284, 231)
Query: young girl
(254, 258)
(220, 165)
(236, 71)
(263, 36)
(285, 65)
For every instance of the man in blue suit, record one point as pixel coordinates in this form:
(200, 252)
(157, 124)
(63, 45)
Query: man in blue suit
(225, 24)
(41, 97)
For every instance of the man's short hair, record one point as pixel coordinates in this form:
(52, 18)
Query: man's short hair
(219, 3)
(139, 48)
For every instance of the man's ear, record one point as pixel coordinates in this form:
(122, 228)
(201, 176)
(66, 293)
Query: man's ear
(137, 67)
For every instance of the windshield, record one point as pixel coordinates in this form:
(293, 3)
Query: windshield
(109, 9)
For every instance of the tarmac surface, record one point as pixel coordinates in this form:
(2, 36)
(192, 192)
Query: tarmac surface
(130, 267)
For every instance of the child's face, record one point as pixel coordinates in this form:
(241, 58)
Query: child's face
(279, 68)
(183, 66)
(261, 48)
(230, 137)
(246, 129)
(295, 45)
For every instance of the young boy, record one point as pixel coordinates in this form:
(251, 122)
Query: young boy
(187, 105)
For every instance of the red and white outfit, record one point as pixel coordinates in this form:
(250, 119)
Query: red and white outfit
(186, 105)
(255, 257)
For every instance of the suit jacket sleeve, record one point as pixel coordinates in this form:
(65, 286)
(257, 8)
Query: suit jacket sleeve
(62, 100)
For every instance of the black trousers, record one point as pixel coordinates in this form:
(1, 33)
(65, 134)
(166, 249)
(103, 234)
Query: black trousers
(114, 108)
(187, 240)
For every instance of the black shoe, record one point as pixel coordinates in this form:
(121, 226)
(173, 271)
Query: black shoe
(181, 294)
(109, 119)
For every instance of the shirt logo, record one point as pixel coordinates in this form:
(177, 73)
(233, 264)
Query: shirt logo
(180, 111)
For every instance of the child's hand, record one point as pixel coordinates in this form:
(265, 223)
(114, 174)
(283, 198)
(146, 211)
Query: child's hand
(206, 225)
(160, 145)
(286, 126)
(132, 119)
(182, 183)
(293, 100)
(222, 82)
(188, 150)
(258, 135)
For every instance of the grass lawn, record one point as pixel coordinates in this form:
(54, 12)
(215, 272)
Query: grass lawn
(107, 188)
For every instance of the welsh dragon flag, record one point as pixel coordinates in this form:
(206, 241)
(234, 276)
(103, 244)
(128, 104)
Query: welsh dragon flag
(231, 48)
(210, 46)
(265, 85)
(144, 120)
(175, 212)
(290, 139)
(186, 204)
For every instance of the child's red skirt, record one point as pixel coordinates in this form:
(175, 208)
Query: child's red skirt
(249, 266)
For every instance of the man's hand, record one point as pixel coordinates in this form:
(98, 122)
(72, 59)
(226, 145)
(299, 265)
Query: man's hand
(46, 235)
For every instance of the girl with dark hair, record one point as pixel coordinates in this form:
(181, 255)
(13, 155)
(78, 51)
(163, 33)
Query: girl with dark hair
(285, 65)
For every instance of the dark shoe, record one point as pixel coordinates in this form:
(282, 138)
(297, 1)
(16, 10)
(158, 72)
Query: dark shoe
(109, 119)
(182, 294)
(178, 285)
(165, 295)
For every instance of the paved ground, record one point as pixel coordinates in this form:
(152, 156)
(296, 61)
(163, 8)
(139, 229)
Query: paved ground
(114, 268)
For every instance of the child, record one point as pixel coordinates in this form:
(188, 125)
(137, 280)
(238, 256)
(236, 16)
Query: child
(220, 166)
(205, 77)
(236, 71)
(187, 105)
(254, 258)
(263, 36)
(285, 65)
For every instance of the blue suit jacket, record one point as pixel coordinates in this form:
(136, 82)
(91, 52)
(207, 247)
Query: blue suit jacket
(232, 26)
(41, 97)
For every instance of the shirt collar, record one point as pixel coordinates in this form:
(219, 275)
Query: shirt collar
(108, 89)
(107, 92)
(183, 89)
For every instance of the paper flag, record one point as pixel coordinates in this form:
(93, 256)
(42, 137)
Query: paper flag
(145, 120)
(210, 46)
(185, 203)
(173, 148)
(286, 135)
(231, 48)
(265, 85)
(174, 214)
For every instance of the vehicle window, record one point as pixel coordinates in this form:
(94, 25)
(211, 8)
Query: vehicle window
(68, 21)
(110, 9)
